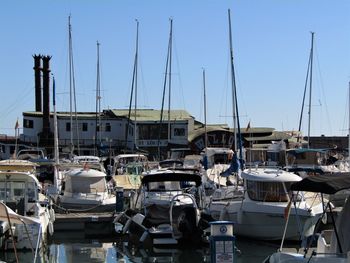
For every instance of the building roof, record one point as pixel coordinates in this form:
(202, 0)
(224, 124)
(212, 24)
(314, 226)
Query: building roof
(152, 115)
(62, 114)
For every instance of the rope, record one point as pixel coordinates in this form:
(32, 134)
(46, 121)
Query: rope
(68, 210)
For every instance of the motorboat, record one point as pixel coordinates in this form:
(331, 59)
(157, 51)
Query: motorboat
(26, 214)
(333, 245)
(169, 210)
(86, 190)
(260, 211)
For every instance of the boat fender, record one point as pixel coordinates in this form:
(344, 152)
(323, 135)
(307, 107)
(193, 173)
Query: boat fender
(52, 215)
(50, 227)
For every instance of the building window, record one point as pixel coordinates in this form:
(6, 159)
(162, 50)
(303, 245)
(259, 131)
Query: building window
(108, 127)
(151, 131)
(179, 132)
(68, 127)
(85, 126)
(28, 123)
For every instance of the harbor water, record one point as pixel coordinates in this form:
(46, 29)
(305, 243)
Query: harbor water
(74, 249)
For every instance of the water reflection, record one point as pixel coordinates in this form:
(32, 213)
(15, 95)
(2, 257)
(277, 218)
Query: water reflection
(118, 251)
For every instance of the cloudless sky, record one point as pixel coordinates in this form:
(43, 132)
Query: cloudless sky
(271, 46)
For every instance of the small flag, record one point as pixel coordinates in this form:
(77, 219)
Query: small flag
(17, 125)
(248, 127)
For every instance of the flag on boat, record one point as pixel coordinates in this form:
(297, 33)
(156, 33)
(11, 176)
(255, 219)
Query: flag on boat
(17, 125)
(248, 127)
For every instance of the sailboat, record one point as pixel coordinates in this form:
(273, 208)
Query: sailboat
(306, 161)
(223, 164)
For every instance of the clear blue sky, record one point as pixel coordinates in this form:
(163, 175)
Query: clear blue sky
(271, 42)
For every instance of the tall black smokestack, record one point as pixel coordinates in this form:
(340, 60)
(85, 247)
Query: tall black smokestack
(46, 94)
(37, 78)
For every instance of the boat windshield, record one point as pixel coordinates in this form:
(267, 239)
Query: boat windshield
(169, 186)
(88, 185)
(11, 191)
(268, 191)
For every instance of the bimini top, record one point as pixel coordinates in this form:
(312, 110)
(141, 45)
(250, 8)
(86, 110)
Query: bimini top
(327, 183)
(269, 175)
(167, 175)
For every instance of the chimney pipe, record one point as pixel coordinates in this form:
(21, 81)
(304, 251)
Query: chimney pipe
(37, 78)
(46, 94)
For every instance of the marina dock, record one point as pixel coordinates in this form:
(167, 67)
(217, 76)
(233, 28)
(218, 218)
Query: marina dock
(91, 224)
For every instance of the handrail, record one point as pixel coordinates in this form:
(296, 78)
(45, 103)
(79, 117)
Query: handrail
(173, 200)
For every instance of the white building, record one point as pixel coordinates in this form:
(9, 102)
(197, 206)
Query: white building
(80, 130)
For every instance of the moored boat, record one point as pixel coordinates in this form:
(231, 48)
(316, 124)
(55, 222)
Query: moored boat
(169, 210)
(86, 190)
(260, 212)
(26, 214)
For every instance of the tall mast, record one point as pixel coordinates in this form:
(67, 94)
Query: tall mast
(311, 64)
(167, 65)
(98, 101)
(70, 86)
(170, 58)
(133, 85)
(205, 114)
(233, 83)
(55, 134)
(136, 68)
(72, 94)
(236, 124)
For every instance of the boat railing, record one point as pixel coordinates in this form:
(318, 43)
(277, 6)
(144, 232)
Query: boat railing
(172, 202)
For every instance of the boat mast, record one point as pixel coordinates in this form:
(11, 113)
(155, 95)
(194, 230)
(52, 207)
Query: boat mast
(310, 91)
(98, 101)
(236, 124)
(167, 65)
(72, 92)
(205, 114)
(55, 134)
(170, 58)
(233, 84)
(133, 85)
(70, 87)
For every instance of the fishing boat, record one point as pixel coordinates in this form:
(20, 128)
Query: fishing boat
(26, 215)
(260, 212)
(169, 210)
(86, 190)
(333, 245)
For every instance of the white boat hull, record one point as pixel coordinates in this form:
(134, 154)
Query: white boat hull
(259, 221)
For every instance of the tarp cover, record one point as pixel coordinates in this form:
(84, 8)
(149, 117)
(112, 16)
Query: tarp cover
(327, 183)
